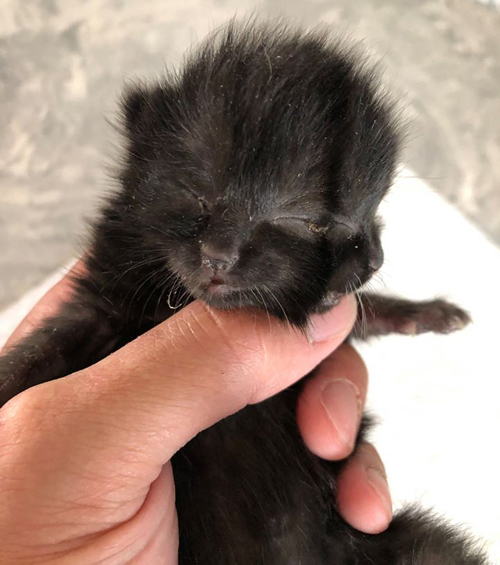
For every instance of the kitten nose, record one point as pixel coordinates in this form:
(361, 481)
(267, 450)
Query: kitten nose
(217, 259)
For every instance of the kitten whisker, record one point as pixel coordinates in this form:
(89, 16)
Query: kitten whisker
(275, 298)
(265, 306)
(137, 265)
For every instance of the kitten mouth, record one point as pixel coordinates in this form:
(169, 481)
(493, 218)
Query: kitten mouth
(219, 288)
(217, 281)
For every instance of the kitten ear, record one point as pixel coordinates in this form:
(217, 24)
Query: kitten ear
(135, 102)
(147, 110)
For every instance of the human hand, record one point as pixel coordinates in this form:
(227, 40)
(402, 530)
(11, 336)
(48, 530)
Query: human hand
(64, 495)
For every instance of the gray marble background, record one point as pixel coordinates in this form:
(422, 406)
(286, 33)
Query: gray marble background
(63, 64)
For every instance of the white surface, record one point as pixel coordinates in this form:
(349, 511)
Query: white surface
(436, 396)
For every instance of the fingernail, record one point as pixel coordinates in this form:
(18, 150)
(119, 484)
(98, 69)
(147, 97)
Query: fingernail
(377, 480)
(323, 327)
(342, 404)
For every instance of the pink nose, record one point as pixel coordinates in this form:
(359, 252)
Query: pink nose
(376, 260)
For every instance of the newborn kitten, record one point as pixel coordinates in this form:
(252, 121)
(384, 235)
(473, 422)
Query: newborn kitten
(251, 178)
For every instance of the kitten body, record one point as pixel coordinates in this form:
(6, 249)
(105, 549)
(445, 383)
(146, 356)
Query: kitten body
(251, 178)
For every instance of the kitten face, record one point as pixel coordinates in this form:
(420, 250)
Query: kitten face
(262, 187)
(272, 260)
(281, 250)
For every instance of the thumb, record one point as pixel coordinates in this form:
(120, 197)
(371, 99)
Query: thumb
(155, 394)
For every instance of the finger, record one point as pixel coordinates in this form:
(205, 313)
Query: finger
(47, 306)
(363, 495)
(151, 397)
(330, 407)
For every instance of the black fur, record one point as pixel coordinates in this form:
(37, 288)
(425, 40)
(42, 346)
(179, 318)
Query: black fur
(251, 177)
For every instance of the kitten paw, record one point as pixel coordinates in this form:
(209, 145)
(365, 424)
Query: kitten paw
(382, 315)
(436, 316)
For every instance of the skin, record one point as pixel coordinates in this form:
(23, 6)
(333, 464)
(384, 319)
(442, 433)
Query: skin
(84, 470)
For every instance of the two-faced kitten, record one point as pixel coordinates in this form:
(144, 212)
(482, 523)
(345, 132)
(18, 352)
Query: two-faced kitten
(252, 178)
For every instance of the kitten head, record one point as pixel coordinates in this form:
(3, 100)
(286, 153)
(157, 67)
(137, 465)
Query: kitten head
(259, 168)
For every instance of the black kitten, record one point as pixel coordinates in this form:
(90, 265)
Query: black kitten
(251, 178)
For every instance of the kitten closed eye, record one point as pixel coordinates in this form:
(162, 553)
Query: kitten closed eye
(302, 222)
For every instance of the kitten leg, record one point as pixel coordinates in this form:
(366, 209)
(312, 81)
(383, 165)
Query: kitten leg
(77, 337)
(380, 315)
